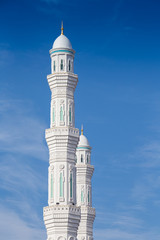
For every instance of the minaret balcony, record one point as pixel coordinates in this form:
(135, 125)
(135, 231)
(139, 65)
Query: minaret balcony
(65, 79)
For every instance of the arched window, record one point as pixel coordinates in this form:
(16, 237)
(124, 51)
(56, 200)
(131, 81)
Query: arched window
(87, 158)
(70, 114)
(82, 196)
(61, 113)
(54, 66)
(61, 184)
(69, 65)
(81, 158)
(71, 185)
(88, 196)
(61, 65)
(53, 115)
(51, 185)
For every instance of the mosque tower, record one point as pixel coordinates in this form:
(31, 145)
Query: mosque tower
(63, 214)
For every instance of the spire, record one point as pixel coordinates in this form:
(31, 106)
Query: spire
(62, 28)
(82, 129)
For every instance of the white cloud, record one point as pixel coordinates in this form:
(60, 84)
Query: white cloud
(20, 130)
(15, 174)
(21, 145)
(119, 220)
(23, 154)
(13, 227)
(150, 154)
(117, 234)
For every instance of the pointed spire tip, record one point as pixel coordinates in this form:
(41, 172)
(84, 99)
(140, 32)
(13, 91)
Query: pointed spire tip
(82, 129)
(62, 28)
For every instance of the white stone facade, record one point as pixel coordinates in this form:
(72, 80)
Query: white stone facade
(66, 217)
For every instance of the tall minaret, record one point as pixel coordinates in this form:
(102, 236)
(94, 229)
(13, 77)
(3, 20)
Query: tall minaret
(84, 188)
(62, 215)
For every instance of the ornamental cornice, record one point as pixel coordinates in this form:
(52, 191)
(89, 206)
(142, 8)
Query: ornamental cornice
(87, 209)
(57, 51)
(62, 131)
(82, 148)
(61, 210)
(63, 75)
(61, 154)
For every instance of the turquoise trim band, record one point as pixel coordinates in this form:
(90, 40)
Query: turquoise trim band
(83, 148)
(62, 51)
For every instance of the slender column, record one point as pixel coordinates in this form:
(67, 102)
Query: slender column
(84, 189)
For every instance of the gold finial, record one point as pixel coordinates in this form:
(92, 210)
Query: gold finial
(62, 28)
(82, 130)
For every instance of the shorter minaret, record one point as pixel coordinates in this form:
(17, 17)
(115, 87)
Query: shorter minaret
(84, 188)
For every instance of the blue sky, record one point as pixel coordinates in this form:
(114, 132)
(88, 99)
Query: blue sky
(117, 99)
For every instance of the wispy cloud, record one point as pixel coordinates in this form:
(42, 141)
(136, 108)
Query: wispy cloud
(20, 130)
(123, 224)
(150, 154)
(13, 227)
(23, 154)
(117, 234)
(16, 173)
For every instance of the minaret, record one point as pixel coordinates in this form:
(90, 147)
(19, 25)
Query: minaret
(62, 215)
(84, 188)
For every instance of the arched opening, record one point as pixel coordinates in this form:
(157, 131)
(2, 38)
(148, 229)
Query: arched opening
(87, 158)
(70, 114)
(54, 66)
(81, 158)
(61, 65)
(71, 185)
(88, 196)
(82, 196)
(69, 65)
(61, 114)
(53, 115)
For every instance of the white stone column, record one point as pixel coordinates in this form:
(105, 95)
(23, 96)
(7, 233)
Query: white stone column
(84, 189)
